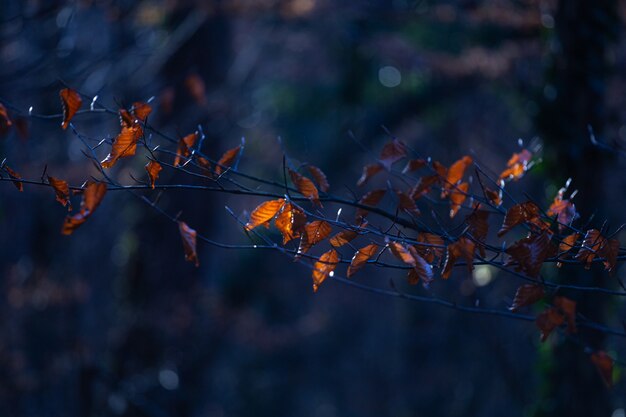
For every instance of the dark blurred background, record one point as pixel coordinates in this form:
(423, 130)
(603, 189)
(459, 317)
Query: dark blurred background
(112, 321)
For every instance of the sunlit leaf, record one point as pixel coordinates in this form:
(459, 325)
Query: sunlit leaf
(227, 160)
(306, 187)
(314, 232)
(343, 237)
(455, 174)
(290, 222)
(153, 168)
(517, 165)
(457, 196)
(563, 209)
(319, 177)
(591, 247)
(361, 257)
(62, 191)
(141, 110)
(184, 147)
(323, 267)
(71, 102)
(402, 253)
(189, 236)
(527, 212)
(264, 212)
(124, 145)
(526, 295)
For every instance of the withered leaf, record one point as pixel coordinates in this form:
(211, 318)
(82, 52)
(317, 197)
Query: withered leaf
(361, 257)
(15, 177)
(609, 252)
(566, 245)
(407, 204)
(196, 88)
(371, 199)
(319, 177)
(455, 174)
(392, 152)
(323, 267)
(189, 236)
(549, 320)
(591, 247)
(368, 172)
(568, 308)
(62, 191)
(306, 187)
(343, 237)
(457, 196)
(314, 232)
(290, 222)
(402, 253)
(423, 186)
(495, 197)
(527, 254)
(462, 248)
(227, 160)
(264, 212)
(5, 120)
(92, 197)
(517, 165)
(71, 102)
(526, 295)
(422, 270)
(527, 212)
(564, 210)
(153, 168)
(141, 110)
(414, 165)
(604, 364)
(184, 147)
(124, 145)
(431, 246)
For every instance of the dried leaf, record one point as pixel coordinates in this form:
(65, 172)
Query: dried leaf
(371, 199)
(527, 212)
(526, 295)
(549, 320)
(343, 237)
(414, 165)
(141, 110)
(423, 186)
(457, 197)
(71, 102)
(564, 209)
(93, 194)
(406, 204)
(422, 269)
(319, 177)
(361, 257)
(590, 248)
(15, 177)
(153, 168)
(184, 147)
(568, 308)
(462, 248)
(227, 160)
(62, 191)
(196, 88)
(306, 187)
(124, 145)
(402, 253)
(604, 364)
(495, 197)
(517, 165)
(290, 222)
(566, 245)
(368, 172)
(5, 120)
(609, 252)
(264, 212)
(314, 232)
(455, 174)
(527, 254)
(431, 247)
(188, 236)
(323, 267)
(392, 152)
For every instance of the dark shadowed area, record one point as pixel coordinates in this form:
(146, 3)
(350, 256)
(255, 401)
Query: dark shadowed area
(112, 320)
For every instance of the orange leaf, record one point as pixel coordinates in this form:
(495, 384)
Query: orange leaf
(565, 210)
(153, 168)
(527, 212)
(462, 248)
(264, 212)
(361, 257)
(141, 110)
(15, 177)
(323, 267)
(314, 232)
(517, 165)
(495, 197)
(306, 187)
(368, 172)
(604, 364)
(431, 246)
(457, 197)
(414, 165)
(568, 308)
(71, 102)
(4, 117)
(227, 160)
(189, 242)
(371, 199)
(422, 270)
(440, 170)
(527, 254)
(290, 222)
(343, 237)
(526, 295)
(549, 320)
(392, 152)
(402, 253)
(591, 246)
(62, 191)
(124, 145)
(423, 186)
(406, 204)
(92, 197)
(184, 147)
(566, 245)
(196, 88)
(319, 177)
(455, 174)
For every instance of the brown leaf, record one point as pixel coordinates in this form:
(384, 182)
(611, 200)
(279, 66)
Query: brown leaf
(604, 364)
(549, 320)
(440, 170)
(5, 120)
(15, 177)
(371, 199)
(563, 209)
(392, 152)
(368, 172)
(527, 212)
(422, 269)
(290, 222)
(264, 212)
(141, 110)
(527, 254)
(153, 168)
(323, 267)
(566, 245)
(319, 177)
(62, 191)
(71, 102)
(184, 147)
(431, 247)
(457, 197)
(306, 187)
(406, 204)
(517, 165)
(124, 145)
(314, 232)
(402, 253)
(462, 248)
(21, 126)
(568, 308)
(196, 88)
(423, 186)
(343, 237)
(526, 295)
(455, 174)
(495, 197)
(590, 248)
(93, 194)
(609, 252)
(361, 257)
(227, 160)
(188, 236)
(414, 165)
